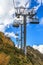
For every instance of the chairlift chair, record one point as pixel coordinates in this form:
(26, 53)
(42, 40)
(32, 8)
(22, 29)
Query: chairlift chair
(17, 34)
(16, 25)
(34, 21)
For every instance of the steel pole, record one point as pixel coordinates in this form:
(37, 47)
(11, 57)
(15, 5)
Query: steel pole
(25, 34)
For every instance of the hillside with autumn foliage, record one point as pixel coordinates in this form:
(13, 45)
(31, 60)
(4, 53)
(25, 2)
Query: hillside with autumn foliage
(10, 55)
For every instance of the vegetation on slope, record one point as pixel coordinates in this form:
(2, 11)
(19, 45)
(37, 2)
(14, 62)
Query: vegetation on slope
(10, 55)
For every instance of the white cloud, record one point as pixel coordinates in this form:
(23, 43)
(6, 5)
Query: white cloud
(17, 46)
(5, 23)
(2, 28)
(41, 20)
(5, 17)
(39, 1)
(10, 34)
(36, 7)
(1, 10)
(39, 48)
(12, 11)
(5, 6)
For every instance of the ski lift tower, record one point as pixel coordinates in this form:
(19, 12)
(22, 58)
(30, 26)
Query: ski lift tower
(26, 12)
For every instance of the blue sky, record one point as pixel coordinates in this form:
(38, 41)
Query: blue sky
(34, 34)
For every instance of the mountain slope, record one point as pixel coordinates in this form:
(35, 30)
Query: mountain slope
(5, 40)
(10, 55)
(35, 56)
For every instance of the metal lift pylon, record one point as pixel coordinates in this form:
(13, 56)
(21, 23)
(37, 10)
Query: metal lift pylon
(24, 14)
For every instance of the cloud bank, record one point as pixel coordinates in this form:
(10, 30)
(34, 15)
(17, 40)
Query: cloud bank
(5, 18)
(10, 34)
(39, 48)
